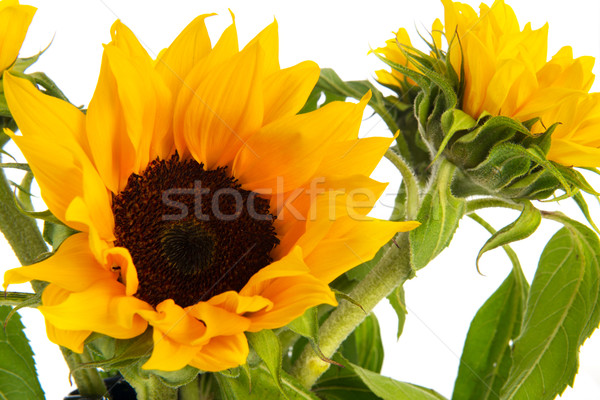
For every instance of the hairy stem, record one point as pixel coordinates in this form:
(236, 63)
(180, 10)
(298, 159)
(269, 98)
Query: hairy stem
(391, 271)
(409, 181)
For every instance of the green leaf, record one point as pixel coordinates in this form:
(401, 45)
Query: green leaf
(398, 303)
(390, 389)
(262, 387)
(524, 226)
(582, 204)
(266, 344)
(439, 215)
(18, 377)
(364, 347)
(562, 311)
(486, 356)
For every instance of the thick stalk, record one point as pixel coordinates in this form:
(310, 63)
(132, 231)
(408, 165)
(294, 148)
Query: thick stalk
(391, 271)
(20, 231)
(27, 242)
(409, 181)
(148, 387)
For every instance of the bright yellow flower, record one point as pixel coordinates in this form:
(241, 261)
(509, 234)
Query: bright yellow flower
(193, 183)
(395, 50)
(14, 22)
(506, 72)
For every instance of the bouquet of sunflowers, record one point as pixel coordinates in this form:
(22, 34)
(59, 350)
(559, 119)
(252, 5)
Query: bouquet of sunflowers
(206, 228)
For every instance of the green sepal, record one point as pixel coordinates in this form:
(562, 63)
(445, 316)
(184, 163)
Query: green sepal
(21, 64)
(473, 147)
(522, 227)
(55, 233)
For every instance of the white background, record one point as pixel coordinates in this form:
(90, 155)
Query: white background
(444, 297)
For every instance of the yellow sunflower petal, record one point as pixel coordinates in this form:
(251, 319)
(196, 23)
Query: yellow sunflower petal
(97, 309)
(14, 22)
(570, 153)
(226, 47)
(52, 141)
(112, 151)
(236, 303)
(118, 258)
(291, 297)
(349, 243)
(268, 39)
(169, 355)
(73, 267)
(270, 160)
(192, 45)
(72, 340)
(286, 90)
(354, 157)
(227, 107)
(218, 321)
(175, 322)
(221, 353)
(290, 265)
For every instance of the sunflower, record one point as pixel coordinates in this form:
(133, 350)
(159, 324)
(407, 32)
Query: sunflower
(14, 20)
(205, 205)
(506, 72)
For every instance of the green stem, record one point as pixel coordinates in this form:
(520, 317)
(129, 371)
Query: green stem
(410, 182)
(479, 204)
(20, 231)
(390, 272)
(27, 242)
(148, 387)
(15, 298)
(88, 380)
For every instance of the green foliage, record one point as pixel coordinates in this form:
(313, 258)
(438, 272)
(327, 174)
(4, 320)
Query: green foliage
(390, 389)
(439, 215)
(562, 311)
(18, 378)
(524, 226)
(266, 344)
(257, 384)
(398, 303)
(486, 357)
(363, 348)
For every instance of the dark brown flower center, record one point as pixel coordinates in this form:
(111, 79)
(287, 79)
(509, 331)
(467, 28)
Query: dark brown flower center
(192, 233)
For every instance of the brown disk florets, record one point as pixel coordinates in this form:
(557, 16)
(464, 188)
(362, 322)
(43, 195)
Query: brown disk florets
(192, 233)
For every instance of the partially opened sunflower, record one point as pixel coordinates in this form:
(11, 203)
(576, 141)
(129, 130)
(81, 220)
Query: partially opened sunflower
(198, 194)
(14, 22)
(506, 71)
